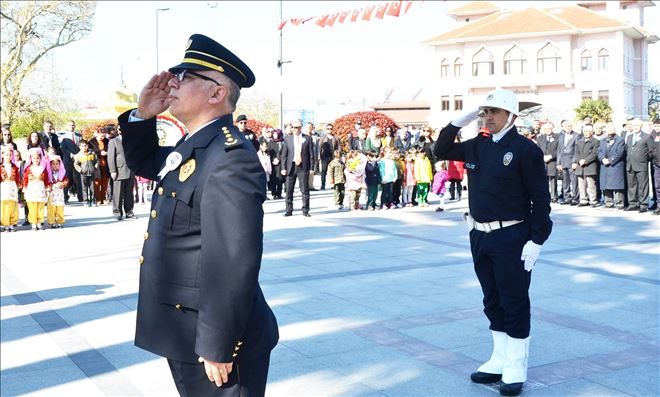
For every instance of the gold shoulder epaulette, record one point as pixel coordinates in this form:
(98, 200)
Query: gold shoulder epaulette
(231, 141)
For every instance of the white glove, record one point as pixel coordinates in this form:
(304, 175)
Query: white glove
(530, 254)
(466, 118)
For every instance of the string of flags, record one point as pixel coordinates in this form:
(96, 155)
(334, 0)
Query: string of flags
(377, 11)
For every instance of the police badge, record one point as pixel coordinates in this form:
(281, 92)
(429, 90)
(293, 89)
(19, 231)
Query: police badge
(507, 158)
(186, 170)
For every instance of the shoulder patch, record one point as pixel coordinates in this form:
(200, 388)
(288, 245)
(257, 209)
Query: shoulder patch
(231, 140)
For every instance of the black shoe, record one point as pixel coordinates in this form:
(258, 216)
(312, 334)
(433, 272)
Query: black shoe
(643, 209)
(307, 214)
(484, 377)
(564, 202)
(439, 209)
(130, 215)
(119, 217)
(595, 205)
(25, 223)
(657, 211)
(574, 203)
(583, 205)
(287, 214)
(510, 389)
(629, 208)
(312, 190)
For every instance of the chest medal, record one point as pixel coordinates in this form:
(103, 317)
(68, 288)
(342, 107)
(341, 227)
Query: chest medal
(186, 170)
(507, 158)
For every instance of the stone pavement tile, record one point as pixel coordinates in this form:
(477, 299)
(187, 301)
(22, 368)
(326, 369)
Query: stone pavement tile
(327, 343)
(638, 380)
(576, 388)
(22, 352)
(151, 378)
(282, 354)
(438, 382)
(450, 335)
(103, 332)
(398, 303)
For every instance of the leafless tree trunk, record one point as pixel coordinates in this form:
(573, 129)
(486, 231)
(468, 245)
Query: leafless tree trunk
(31, 29)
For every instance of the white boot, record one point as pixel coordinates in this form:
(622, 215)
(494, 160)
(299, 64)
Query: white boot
(497, 359)
(515, 366)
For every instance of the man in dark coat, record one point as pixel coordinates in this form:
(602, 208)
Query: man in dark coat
(297, 159)
(200, 304)
(548, 142)
(123, 180)
(565, 155)
(585, 164)
(241, 122)
(638, 151)
(69, 145)
(655, 137)
(328, 144)
(612, 155)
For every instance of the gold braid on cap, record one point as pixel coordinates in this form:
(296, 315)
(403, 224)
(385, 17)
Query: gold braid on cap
(217, 59)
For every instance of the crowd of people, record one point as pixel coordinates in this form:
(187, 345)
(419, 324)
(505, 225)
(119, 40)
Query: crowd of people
(59, 166)
(597, 165)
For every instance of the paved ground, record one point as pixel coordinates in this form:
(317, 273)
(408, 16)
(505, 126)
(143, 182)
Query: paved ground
(369, 304)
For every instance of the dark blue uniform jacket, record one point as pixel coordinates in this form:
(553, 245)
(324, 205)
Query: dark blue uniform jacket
(506, 180)
(199, 291)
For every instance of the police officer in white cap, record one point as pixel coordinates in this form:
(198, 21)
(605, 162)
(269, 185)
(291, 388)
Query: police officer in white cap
(509, 221)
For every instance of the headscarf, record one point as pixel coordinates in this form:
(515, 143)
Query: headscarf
(61, 171)
(45, 162)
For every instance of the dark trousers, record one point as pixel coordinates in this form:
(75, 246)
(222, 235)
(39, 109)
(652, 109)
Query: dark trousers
(396, 191)
(122, 196)
(247, 379)
(275, 185)
(569, 185)
(372, 195)
(324, 171)
(386, 194)
(656, 182)
(613, 198)
(503, 278)
(455, 189)
(87, 183)
(552, 185)
(638, 188)
(303, 183)
(339, 194)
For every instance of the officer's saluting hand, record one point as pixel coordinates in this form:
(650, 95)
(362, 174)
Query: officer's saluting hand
(509, 220)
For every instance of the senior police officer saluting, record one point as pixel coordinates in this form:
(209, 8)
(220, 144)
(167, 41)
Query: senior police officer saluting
(200, 304)
(509, 220)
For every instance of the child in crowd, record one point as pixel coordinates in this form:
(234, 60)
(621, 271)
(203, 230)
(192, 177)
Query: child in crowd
(455, 172)
(141, 188)
(439, 181)
(85, 163)
(9, 184)
(58, 182)
(423, 175)
(337, 179)
(18, 160)
(372, 176)
(388, 174)
(400, 171)
(409, 180)
(354, 172)
(264, 159)
(36, 181)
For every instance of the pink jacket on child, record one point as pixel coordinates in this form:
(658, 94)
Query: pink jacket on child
(439, 180)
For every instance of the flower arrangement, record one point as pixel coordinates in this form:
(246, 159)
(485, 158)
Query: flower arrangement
(256, 126)
(345, 125)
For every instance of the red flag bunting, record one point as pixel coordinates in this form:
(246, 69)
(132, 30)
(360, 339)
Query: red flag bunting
(282, 23)
(342, 16)
(380, 13)
(354, 15)
(322, 20)
(366, 14)
(331, 19)
(296, 21)
(395, 9)
(408, 5)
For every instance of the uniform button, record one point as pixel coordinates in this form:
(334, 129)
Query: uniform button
(173, 194)
(161, 191)
(239, 343)
(141, 260)
(146, 235)
(153, 214)
(178, 306)
(234, 355)
(236, 348)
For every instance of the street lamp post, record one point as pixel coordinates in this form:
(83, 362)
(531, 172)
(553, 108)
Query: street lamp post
(157, 10)
(280, 64)
(213, 6)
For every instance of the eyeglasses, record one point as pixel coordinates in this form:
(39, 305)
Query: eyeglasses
(182, 75)
(296, 127)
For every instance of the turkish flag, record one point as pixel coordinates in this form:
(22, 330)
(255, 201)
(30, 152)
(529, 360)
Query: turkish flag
(380, 12)
(408, 5)
(331, 19)
(395, 9)
(354, 15)
(282, 25)
(295, 21)
(322, 20)
(342, 16)
(366, 15)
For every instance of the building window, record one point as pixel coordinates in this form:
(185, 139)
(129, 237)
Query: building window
(445, 102)
(458, 102)
(586, 95)
(547, 59)
(444, 68)
(603, 59)
(458, 67)
(604, 95)
(483, 64)
(585, 61)
(514, 61)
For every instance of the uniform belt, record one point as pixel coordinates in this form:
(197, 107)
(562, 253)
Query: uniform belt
(487, 227)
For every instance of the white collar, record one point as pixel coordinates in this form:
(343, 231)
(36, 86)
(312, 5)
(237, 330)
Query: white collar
(199, 129)
(500, 135)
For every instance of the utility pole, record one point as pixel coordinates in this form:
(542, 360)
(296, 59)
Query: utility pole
(157, 10)
(280, 64)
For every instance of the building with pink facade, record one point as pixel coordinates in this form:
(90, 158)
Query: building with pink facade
(556, 56)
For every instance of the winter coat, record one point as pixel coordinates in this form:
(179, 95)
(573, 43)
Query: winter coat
(612, 176)
(372, 173)
(387, 169)
(456, 170)
(423, 170)
(587, 150)
(439, 180)
(336, 172)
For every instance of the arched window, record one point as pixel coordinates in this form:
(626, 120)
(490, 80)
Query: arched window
(515, 61)
(547, 59)
(458, 67)
(444, 68)
(603, 59)
(482, 63)
(585, 61)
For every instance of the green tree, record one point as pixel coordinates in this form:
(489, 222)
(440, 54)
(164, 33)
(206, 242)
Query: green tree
(598, 110)
(30, 30)
(654, 101)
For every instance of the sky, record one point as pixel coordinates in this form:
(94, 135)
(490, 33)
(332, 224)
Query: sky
(359, 61)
